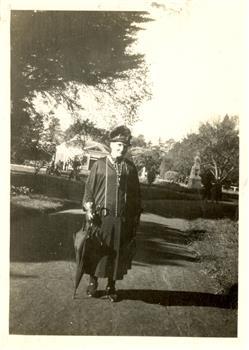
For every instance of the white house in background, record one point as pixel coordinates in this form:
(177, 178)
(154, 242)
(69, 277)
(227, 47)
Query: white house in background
(67, 151)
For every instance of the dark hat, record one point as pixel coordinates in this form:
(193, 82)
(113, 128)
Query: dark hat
(121, 134)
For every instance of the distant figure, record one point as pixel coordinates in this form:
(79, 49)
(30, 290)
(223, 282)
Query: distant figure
(186, 180)
(217, 191)
(52, 164)
(57, 170)
(76, 168)
(207, 185)
(51, 167)
(66, 165)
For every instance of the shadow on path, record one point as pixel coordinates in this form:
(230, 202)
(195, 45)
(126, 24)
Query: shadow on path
(162, 245)
(173, 298)
(50, 238)
(176, 298)
(21, 275)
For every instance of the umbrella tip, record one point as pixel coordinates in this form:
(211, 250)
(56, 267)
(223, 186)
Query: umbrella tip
(74, 294)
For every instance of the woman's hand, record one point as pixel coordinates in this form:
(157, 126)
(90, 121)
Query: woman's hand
(88, 211)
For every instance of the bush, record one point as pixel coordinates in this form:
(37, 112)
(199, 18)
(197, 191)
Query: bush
(171, 176)
(151, 175)
(20, 190)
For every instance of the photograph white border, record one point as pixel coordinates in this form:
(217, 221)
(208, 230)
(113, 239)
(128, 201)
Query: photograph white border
(79, 342)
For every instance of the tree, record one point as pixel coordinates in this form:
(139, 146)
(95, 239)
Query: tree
(83, 129)
(220, 148)
(66, 49)
(182, 154)
(166, 165)
(138, 141)
(53, 134)
(151, 160)
(218, 144)
(33, 145)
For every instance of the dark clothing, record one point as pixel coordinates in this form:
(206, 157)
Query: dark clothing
(207, 179)
(118, 191)
(217, 191)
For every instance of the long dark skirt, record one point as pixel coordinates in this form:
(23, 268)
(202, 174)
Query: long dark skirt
(116, 258)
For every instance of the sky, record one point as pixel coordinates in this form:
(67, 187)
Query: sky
(197, 66)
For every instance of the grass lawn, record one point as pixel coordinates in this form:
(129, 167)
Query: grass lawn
(34, 204)
(37, 202)
(216, 241)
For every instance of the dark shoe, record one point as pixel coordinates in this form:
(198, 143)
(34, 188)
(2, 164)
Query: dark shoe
(92, 289)
(111, 294)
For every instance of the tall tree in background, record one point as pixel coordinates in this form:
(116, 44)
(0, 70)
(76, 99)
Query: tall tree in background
(182, 154)
(218, 144)
(53, 134)
(82, 130)
(53, 52)
(138, 141)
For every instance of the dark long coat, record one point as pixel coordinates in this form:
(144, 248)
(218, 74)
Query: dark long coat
(116, 188)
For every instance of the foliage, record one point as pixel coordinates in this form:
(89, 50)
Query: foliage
(65, 50)
(218, 144)
(151, 175)
(20, 190)
(83, 129)
(167, 144)
(166, 165)
(182, 154)
(171, 176)
(73, 46)
(151, 160)
(38, 141)
(138, 141)
(53, 134)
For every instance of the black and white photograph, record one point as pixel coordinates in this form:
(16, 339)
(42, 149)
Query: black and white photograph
(124, 172)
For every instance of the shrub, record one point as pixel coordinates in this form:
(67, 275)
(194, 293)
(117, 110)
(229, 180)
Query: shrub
(20, 190)
(151, 175)
(171, 176)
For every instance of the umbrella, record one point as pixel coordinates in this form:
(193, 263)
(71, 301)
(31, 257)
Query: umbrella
(79, 247)
(89, 249)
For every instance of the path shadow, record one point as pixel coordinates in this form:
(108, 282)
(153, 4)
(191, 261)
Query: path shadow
(161, 245)
(174, 298)
(21, 275)
(46, 237)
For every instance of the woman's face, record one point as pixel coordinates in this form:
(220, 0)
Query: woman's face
(118, 149)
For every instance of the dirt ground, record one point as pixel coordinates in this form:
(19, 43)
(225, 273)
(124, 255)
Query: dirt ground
(165, 293)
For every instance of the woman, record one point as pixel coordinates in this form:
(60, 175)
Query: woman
(113, 187)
